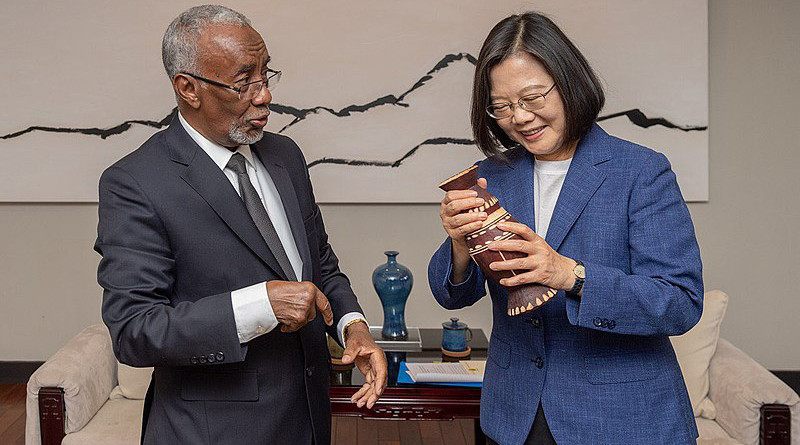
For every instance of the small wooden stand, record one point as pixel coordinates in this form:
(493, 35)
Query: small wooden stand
(455, 356)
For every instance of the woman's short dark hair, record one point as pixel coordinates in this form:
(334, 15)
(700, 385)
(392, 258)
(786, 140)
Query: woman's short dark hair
(575, 80)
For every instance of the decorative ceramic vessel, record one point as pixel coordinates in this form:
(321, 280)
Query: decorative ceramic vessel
(393, 360)
(392, 282)
(341, 374)
(455, 335)
(523, 298)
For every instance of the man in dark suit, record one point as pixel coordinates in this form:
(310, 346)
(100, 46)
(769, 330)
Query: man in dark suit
(216, 260)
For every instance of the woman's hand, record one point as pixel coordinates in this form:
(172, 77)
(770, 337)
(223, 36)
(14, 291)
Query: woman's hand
(458, 225)
(541, 264)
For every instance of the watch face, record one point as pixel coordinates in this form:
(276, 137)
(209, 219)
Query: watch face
(580, 271)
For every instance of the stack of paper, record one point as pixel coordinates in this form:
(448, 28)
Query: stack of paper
(461, 372)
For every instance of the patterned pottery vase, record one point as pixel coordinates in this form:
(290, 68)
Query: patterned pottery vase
(392, 282)
(524, 298)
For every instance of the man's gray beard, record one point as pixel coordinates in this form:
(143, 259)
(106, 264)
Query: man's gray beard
(238, 135)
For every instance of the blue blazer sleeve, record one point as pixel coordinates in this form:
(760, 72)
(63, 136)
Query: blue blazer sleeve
(454, 295)
(663, 293)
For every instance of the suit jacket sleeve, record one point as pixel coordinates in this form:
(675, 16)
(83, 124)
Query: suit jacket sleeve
(663, 293)
(331, 281)
(137, 273)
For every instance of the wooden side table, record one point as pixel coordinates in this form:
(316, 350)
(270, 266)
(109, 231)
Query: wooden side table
(416, 401)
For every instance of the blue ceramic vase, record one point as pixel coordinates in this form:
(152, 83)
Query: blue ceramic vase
(393, 360)
(392, 282)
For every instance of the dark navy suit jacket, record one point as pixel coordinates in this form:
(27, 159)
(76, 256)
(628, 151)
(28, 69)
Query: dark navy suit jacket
(176, 239)
(602, 365)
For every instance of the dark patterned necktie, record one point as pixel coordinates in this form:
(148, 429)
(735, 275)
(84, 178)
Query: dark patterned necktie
(259, 214)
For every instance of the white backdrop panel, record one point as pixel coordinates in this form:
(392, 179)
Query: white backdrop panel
(364, 81)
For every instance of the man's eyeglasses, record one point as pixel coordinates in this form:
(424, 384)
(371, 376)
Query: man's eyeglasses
(531, 102)
(249, 90)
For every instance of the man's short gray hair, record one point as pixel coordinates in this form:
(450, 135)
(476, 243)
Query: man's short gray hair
(179, 47)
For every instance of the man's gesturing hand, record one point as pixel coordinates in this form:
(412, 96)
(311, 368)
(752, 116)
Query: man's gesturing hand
(296, 303)
(371, 361)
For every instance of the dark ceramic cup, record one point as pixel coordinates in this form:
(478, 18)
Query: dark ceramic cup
(455, 335)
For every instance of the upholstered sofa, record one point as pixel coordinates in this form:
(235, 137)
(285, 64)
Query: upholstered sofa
(82, 395)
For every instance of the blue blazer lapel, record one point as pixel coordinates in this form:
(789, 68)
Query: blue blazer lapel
(210, 183)
(512, 184)
(283, 182)
(582, 181)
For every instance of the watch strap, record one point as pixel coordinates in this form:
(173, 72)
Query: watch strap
(576, 288)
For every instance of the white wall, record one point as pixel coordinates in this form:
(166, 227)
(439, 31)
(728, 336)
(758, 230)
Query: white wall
(747, 231)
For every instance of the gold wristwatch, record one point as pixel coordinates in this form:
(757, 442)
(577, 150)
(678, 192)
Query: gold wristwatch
(580, 276)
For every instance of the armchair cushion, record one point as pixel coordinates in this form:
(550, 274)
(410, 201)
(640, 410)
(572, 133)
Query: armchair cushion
(739, 386)
(133, 382)
(87, 371)
(118, 423)
(713, 434)
(695, 348)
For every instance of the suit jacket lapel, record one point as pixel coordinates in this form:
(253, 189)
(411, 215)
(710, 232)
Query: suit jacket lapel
(213, 186)
(291, 206)
(582, 181)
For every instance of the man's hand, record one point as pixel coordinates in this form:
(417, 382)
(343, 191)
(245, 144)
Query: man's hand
(371, 361)
(296, 303)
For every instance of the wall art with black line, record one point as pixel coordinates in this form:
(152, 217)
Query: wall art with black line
(375, 93)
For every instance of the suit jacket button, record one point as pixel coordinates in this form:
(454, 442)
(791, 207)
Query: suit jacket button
(202, 359)
(538, 362)
(611, 324)
(211, 358)
(536, 322)
(598, 322)
(310, 370)
(193, 360)
(220, 356)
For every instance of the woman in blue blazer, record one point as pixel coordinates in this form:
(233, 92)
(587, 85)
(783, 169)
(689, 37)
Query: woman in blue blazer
(603, 221)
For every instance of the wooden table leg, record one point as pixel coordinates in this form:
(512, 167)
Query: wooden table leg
(480, 439)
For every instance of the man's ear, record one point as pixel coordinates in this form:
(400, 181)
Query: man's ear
(186, 88)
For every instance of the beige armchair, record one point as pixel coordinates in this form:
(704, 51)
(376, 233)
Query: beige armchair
(82, 395)
(75, 397)
(735, 399)
(752, 405)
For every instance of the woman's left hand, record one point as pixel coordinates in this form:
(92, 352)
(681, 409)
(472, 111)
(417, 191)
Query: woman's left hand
(541, 264)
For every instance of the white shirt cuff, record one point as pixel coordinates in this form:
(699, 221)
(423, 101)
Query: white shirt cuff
(347, 318)
(252, 312)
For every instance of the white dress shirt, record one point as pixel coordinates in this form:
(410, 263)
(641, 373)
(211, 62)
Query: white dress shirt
(252, 310)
